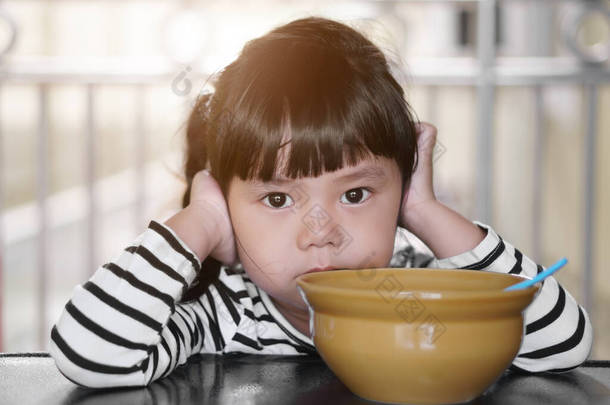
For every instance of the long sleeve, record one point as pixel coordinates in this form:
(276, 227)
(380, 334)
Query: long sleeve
(125, 327)
(558, 333)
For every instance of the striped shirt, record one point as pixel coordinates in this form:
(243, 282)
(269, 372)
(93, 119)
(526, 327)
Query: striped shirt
(126, 326)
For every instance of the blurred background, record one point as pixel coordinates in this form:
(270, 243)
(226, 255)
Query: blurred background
(94, 97)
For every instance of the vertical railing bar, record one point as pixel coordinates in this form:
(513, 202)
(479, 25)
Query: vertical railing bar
(485, 107)
(140, 154)
(433, 104)
(542, 47)
(539, 146)
(589, 212)
(90, 170)
(41, 197)
(1, 226)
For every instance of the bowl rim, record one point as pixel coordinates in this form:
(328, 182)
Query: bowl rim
(302, 280)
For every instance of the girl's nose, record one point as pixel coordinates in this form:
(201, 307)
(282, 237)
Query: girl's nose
(319, 228)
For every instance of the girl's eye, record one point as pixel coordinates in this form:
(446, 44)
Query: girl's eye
(355, 195)
(276, 200)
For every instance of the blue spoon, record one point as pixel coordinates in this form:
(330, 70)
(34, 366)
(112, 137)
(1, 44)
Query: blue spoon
(526, 283)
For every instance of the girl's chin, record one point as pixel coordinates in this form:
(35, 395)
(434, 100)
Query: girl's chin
(295, 305)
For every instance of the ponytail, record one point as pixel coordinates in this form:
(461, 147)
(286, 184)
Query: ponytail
(197, 160)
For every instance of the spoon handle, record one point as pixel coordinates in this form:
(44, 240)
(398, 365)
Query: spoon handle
(541, 276)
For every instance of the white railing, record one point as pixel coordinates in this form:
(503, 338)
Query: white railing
(486, 72)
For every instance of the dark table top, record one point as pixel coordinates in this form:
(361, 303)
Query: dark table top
(263, 379)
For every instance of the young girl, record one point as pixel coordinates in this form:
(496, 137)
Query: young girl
(314, 162)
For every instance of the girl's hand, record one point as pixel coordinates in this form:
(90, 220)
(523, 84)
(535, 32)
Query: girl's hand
(208, 203)
(419, 191)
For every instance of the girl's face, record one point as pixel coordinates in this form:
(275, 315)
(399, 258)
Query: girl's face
(342, 219)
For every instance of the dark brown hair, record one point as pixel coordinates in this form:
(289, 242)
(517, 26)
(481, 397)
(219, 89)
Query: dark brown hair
(322, 83)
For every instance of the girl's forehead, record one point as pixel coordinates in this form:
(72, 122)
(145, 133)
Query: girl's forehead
(373, 168)
(284, 154)
(379, 171)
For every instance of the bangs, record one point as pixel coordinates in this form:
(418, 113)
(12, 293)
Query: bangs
(310, 112)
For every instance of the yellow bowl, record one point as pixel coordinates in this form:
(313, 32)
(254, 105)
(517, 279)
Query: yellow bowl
(421, 336)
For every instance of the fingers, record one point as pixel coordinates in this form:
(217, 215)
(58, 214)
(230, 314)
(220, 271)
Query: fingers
(426, 129)
(426, 136)
(203, 181)
(201, 176)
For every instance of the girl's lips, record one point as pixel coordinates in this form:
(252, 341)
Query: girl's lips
(320, 269)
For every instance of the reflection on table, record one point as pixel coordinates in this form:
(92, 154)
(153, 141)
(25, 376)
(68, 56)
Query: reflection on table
(264, 379)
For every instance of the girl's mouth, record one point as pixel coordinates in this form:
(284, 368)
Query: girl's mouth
(321, 269)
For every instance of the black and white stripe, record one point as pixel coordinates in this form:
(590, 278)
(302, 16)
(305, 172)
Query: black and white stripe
(126, 325)
(558, 333)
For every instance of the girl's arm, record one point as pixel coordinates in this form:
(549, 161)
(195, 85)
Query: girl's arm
(558, 334)
(125, 327)
(443, 230)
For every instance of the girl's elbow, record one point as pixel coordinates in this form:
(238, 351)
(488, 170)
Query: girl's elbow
(581, 351)
(90, 379)
(584, 348)
(575, 357)
(561, 357)
(81, 374)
